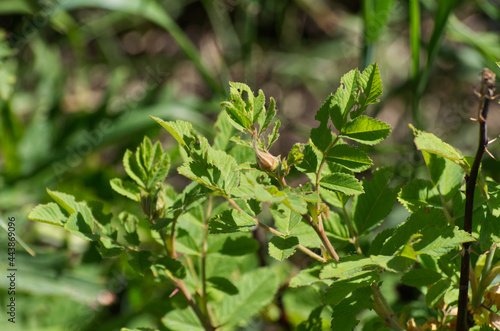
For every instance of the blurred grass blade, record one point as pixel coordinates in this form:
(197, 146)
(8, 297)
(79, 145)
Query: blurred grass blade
(375, 14)
(443, 11)
(415, 39)
(18, 239)
(155, 13)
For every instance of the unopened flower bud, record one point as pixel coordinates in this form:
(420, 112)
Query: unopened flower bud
(266, 161)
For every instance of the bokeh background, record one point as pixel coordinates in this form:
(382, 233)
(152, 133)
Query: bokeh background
(79, 79)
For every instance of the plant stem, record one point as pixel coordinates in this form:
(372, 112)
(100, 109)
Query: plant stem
(189, 298)
(383, 309)
(320, 230)
(485, 279)
(276, 232)
(204, 259)
(486, 94)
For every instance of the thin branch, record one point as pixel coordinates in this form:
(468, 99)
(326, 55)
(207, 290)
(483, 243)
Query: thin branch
(276, 232)
(320, 231)
(486, 94)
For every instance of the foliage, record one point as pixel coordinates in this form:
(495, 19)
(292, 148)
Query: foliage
(206, 237)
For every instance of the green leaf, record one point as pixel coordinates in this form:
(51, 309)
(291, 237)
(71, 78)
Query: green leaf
(185, 243)
(349, 157)
(307, 276)
(437, 242)
(366, 130)
(375, 19)
(322, 136)
(50, 213)
(282, 248)
(271, 139)
(354, 265)
(446, 175)
(108, 248)
(420, 277)
(490, 231)
(182, 320)
(81, 223)
(313, 321)
(66, 201)
(371, 207)
(133, 169)
(371, 85)
(419, 193)
(173, 266)
(223, 284)
(256, 290)
(310, 160)
(235, 244)
(139, 261)
(224, 133)
(271, 112)
(285, 220)
(231, 221)
(344, 99)
(341, 182)
(430, 143)
(343, 316)
(436, 292)
(126, 188)
(339, 289)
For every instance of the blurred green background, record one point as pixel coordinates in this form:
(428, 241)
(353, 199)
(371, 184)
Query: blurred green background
(79, 79)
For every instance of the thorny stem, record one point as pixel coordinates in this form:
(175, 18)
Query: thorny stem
(486, 94)
(276, 232)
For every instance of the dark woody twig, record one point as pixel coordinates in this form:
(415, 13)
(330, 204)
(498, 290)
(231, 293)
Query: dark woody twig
(486, 94)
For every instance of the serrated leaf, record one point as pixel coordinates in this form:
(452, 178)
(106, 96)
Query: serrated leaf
(349, 157)
(282, 248)
(108, 248)
(371, 207)
(271, 139)
(133, 169)
(366, 130)
(419, 193)
(490, 231)
(344, 98)
(256, 290)
(355, 265)
(310, 160)
(126, 188)
(322, 136)
(50, 213)
(81, 224)
(371, 85)
(341, 182)
(430, 143)
(225, 132)
(66, 201)
(420, 277)
(284, 219)
(271, 112)
(339, 289)
(439, 242)
(343, 316)
(231, 221)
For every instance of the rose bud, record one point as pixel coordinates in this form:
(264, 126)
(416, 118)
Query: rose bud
(266, 161)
